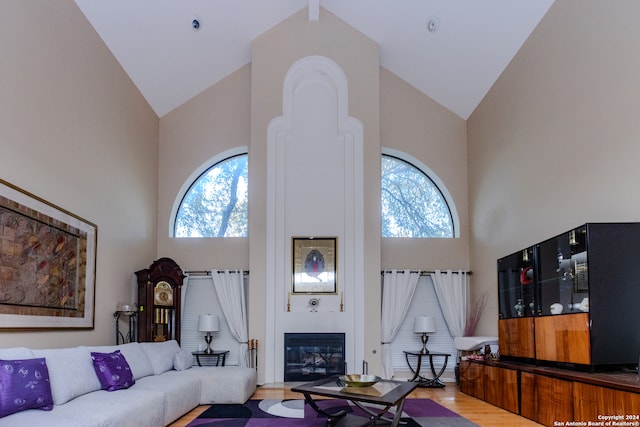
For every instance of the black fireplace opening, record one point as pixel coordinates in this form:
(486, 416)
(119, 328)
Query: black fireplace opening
(313, 356)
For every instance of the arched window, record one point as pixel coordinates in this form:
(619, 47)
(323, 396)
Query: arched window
(215, 204)
(413, 205)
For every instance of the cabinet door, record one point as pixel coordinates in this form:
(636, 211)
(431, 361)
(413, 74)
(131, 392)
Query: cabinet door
(472, 379)
(516, 337)
(562, 273)
(501, 388)
(592, 401)
(516, 285)
(544, 399)
(563, 338)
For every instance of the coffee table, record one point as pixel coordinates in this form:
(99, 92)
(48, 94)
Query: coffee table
(385, 394)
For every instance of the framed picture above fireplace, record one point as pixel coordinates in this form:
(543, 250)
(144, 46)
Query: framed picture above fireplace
(314, 265)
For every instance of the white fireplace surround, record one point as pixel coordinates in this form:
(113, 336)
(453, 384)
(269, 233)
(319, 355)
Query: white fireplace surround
(304, 201)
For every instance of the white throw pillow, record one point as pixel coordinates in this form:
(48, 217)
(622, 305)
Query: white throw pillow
(161, 354)
(15, 353)
(182, 360)
(70, 371)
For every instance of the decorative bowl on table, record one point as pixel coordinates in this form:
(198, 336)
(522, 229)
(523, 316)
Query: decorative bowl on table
(359, 380)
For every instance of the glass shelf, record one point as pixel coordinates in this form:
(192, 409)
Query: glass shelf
(516, 285)
(563, 280)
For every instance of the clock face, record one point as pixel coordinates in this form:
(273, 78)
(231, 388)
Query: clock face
(163, 294)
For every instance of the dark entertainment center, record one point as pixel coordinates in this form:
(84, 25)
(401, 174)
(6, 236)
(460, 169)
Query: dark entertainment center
(568, 326)
(575, 297)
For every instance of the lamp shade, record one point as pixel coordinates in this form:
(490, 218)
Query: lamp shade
(208, 323)
(424, 324)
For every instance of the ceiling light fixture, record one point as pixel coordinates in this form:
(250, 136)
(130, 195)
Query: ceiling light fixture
(433, 24)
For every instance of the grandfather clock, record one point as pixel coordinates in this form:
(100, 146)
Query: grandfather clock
(159, 304)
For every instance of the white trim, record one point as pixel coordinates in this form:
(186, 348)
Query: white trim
(327, 78)
(433, 177)
(236, 151)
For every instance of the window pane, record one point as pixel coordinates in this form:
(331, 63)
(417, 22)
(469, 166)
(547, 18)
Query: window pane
(412, 205)
(424, 303)
(216, 203)
(202, 298)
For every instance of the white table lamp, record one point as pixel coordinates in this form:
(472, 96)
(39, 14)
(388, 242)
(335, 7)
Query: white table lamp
(424, 325)
(208, 323)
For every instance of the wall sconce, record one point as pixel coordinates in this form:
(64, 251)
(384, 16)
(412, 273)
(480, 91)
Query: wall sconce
(208, 323)
(424, 325)
(525, 255)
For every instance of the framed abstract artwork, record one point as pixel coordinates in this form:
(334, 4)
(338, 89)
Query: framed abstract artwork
(47, 264)
(314, 265)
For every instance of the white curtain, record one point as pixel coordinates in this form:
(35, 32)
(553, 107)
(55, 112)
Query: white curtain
(185, 285)
(397, 292)
(451, 289)
(229, 286)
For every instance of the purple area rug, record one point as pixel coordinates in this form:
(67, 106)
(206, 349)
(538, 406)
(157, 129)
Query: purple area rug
(276, 413)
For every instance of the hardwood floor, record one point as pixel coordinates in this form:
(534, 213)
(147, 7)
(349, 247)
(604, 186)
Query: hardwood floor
(481, 413)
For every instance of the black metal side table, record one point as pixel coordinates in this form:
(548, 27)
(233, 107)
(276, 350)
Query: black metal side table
(130, 336)
(434, 381)
(220, 356)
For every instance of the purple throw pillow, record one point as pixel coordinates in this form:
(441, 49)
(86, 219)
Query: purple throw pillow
(112, 370)
(24, 384)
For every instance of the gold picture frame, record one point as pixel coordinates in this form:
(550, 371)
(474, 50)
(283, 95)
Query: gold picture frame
(314, 262)
(47, 264)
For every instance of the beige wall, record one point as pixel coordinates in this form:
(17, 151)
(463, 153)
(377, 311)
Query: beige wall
(419, 126)
(213, 122)
(75, 131)
(555, 142)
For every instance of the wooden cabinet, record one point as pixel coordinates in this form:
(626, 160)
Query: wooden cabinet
(501, 388)
(516, 337)
(545, 399)
(496, 385)
(159, 301)
(581, 287)
(472, 379)
(591, 401)
(547, 395)
(563, 338)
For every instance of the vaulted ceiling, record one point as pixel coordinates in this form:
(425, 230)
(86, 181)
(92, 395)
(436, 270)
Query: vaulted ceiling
(451, 50)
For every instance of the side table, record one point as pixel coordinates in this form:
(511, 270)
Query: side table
(220, 356)
(130, 336)
(434, 381)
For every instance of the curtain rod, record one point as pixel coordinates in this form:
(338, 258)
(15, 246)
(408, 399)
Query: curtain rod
(246, 272)
(426, 272)
(208, 272)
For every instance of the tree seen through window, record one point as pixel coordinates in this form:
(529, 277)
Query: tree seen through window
(412, 204)
(216, 203)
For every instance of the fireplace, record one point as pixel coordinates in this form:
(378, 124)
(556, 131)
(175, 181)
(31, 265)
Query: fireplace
(312, 356)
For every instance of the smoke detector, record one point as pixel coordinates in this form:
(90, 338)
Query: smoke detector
(433, 24)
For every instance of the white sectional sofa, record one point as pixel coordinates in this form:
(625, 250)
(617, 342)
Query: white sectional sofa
(166, 386)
